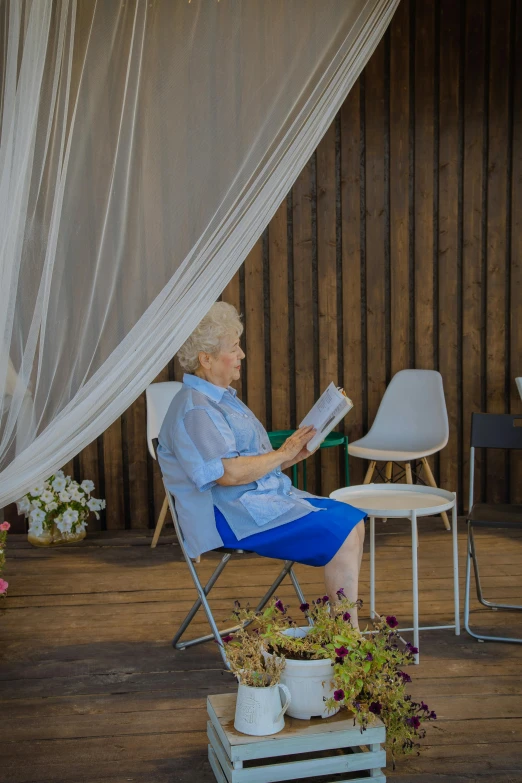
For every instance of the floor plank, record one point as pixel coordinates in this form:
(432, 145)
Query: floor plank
(92, 691)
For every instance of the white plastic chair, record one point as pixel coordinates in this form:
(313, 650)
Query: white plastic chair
(159, 396)
(519, 386)
(411, 424)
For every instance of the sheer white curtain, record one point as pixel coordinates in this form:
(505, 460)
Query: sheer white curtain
(144, 147)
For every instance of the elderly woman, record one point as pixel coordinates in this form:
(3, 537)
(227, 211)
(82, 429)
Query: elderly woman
(228, 482)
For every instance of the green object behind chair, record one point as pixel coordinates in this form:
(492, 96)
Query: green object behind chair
(278, 437)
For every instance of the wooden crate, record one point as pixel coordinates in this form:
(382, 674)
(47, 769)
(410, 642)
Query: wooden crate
(332, 747)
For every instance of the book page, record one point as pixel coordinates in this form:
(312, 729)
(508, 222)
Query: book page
(329, 409)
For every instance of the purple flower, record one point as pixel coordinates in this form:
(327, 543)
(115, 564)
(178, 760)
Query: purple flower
(325, 599)
(405, 676)
(369, 657)
(375, 707)
(341, 593)
(424, 707)
(357, 705)
(224, 639)
(280, 606)
(341, 652)
(414, 722)
(392, 621)
(413, 650)
(304, 607)
(432, 715)
(339, 660)
(347, 617)
(339, 695)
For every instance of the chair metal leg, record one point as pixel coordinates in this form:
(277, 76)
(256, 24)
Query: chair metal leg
(206, 590)
(346, 463)
(472, 556)
(202, 601)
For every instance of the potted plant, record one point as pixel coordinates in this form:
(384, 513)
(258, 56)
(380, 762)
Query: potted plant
(361, 672)
(259, 710)
(58, 509)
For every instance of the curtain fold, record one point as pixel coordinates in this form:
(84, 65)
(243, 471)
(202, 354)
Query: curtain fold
(144, 148)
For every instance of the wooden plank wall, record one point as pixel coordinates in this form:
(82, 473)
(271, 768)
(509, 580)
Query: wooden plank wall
(399, 246)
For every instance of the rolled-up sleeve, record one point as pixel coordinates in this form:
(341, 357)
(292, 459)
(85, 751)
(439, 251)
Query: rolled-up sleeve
(202, 440)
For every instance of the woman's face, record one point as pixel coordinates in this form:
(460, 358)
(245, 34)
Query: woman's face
(224, 367)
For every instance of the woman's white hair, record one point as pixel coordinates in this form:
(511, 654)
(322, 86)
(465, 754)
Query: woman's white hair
(221, 321)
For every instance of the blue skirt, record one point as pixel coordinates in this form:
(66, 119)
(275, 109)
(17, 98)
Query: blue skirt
(312, 540)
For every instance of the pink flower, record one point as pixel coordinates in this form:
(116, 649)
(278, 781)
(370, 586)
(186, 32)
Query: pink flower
(3, 586)
(5, 526)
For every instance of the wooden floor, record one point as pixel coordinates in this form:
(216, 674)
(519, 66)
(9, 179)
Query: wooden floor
(92, 691)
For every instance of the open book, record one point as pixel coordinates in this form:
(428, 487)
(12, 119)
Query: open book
(330, 408)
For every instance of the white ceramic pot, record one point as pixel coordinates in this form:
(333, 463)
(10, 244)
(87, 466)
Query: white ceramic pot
(309, 683)
(260, 711)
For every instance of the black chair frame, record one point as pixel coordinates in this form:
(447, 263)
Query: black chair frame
(490, 431)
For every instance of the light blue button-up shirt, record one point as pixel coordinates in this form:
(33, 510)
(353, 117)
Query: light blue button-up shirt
(204, 425)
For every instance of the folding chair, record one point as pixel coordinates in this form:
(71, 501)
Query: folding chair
(203, 592)
(159, 396)
(490, 431)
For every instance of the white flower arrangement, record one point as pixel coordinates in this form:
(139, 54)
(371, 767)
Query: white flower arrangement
(62, 502)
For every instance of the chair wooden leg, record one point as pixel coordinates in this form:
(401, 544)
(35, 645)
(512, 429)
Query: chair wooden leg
(369, 472)
(160, 522)
(431, 481)
(407, 467)
(389, 472)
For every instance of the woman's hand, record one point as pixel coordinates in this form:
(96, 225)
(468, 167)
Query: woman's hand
(294, 448)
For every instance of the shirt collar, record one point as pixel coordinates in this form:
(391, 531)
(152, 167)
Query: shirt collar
(205, 387)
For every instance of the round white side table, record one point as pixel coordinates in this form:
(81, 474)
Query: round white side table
(408, 501)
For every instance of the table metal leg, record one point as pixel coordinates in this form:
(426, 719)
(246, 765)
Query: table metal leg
(372, 567)
(415, 578)
(455, 567)
(346, 463)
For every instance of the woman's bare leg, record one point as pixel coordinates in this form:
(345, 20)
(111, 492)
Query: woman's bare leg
(343, 569)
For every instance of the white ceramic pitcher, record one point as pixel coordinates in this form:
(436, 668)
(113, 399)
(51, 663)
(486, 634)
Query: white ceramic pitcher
(259, 711)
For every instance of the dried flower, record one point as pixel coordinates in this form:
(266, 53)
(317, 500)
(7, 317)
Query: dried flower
(341, 593)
